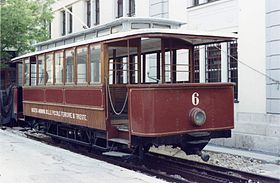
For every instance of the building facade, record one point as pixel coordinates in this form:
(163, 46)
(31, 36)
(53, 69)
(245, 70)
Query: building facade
(257, 97)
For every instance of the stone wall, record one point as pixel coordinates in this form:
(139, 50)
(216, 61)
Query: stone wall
(255, 132)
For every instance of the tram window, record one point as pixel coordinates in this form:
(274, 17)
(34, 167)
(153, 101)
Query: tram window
(133, 65)
(33, 72)
(116, 29)
(95, 65)
(182, 65)
(213, 63)
(152, 59)
(196, 64)
(41, 69)
(19, 74)
(26, 72)
(151, 68)
(69, 69)
(140, 25)
(82, 65)
(58, 67)
(49, 68)
(167, 67)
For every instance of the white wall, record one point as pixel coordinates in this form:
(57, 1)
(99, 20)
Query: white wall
(177, 10)
(107, 11)
(215, 16)
(251, 50)
(78, 10)
(273, 55)
(142, 8)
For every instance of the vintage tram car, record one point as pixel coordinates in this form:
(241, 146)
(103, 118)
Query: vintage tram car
(128, 90)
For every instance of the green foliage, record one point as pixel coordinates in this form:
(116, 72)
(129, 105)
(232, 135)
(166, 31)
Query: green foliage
(22, 23)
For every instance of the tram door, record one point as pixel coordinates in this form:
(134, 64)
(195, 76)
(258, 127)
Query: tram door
(122, 71)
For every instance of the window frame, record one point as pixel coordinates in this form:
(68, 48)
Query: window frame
(70, 20)
(119, 7)
(28, 71)
(89, 64)
(44, 70)
(63, 68)
(96, 12)
(233, 69)
(213, 70)
(88, 13)
(74, 78)
(53, 68)
(19, 74)
(76, 65)
(63, 22)
(196, 66)
(36, 70)
(131, 8)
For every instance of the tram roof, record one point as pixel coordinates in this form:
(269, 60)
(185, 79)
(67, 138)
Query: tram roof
(192, 36)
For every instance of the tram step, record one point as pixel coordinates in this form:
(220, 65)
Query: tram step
(198, 142)
(199, 134)
(119, 122)
(123, 128)
(120, 140)
(116, 154)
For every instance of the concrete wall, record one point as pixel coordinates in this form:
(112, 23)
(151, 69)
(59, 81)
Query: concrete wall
(216, 16)
(251, 50)
(273, 55)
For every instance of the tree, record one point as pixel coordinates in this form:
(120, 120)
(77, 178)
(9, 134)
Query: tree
(22, 23)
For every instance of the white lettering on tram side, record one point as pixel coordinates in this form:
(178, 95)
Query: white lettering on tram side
(62, 114)
(195, 99)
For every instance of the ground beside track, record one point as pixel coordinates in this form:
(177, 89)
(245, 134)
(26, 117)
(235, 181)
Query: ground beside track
(248, 161)
(23, 160)
(231, 158)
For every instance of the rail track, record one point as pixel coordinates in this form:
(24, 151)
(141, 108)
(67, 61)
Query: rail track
(165, 167)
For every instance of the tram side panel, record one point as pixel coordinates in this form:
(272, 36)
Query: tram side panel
(167, 110)
(83, 106)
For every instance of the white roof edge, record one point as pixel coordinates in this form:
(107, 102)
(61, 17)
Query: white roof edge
(113, 23)
(136, 32)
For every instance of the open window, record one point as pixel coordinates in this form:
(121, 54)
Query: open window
(26, 78)
(33, 71)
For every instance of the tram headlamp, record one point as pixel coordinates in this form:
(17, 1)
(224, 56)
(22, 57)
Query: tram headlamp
(197, 116)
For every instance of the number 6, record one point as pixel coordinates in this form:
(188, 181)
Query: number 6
(195, 99)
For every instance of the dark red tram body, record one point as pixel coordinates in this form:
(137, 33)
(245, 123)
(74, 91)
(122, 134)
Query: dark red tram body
(157, 110)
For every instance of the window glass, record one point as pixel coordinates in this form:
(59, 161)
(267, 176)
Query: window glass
(26, 72)
(116, 29)
(69, 69)
(97, 13)
(119, 8)
(81, 64)
(49, 68)
(95, 63)
(213, 63)
(41, 69)
(196, 64)
(131, 8)
(63, 18)
(58, 67)
(140, 25)
(70, 21)
(233, 66)
(182, 65)
(88, 10)
(33, 73)
(19, 74)
(103, 32)
(151, 68)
